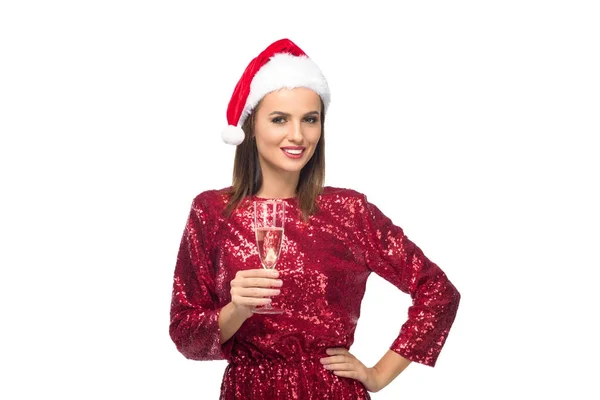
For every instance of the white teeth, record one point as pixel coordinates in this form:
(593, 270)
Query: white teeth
(295, 152)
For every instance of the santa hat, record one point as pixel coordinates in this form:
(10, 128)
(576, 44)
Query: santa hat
(281, 65)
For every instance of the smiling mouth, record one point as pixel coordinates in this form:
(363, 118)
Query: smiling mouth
(294, 152)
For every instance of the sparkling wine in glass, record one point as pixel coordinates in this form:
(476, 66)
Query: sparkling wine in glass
(269, 216)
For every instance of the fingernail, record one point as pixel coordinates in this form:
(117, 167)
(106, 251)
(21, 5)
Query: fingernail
(275, 273)
(279, 282)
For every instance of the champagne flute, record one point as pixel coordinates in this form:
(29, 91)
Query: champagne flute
(269, 218)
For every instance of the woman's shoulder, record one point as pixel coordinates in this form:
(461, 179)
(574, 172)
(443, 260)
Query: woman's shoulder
(336, 193)
(332, 191)
(213, 198)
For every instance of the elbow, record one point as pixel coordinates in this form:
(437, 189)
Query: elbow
(197, 346)
(182, 346)
(193, 354)
(190, 350)
(455, 296)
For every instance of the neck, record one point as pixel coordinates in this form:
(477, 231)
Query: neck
(278, 185)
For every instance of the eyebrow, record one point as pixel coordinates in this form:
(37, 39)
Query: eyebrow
(289, 115)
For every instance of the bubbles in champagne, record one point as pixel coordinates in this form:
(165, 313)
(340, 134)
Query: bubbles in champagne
(269, 245)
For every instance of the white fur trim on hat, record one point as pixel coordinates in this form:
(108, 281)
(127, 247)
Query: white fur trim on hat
(285, 70)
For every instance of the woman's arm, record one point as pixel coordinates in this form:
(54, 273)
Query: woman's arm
(230, 320)
(393, 256)
(194, 326)
(250, 288)
(385, 371)
(343, 363)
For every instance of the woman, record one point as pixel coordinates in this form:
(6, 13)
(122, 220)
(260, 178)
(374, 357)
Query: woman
(334, 238)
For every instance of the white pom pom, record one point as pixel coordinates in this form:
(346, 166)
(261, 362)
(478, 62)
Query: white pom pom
(233, 135)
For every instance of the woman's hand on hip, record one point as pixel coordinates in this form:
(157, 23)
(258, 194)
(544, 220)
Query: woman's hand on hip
(253, 287)
(342, 363)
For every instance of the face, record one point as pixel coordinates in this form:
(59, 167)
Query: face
(287, 129)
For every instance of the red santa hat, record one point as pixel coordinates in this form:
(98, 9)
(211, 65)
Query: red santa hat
(281, 65)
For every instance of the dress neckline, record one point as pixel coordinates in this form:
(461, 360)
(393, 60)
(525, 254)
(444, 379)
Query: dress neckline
(255, 197)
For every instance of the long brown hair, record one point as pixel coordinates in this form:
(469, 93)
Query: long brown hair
(247, 175)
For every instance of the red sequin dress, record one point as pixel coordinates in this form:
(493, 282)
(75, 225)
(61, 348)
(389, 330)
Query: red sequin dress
(324, 265)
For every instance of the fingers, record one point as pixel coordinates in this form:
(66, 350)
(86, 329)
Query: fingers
(352, 374)
(343, 366)
(343, 363)
(250, 301)
(338, 363)
(252, 296)
(340, 358)
(256, 278)
(256, 292)
(241, 283)
(261, 282)
(257, 273)
(334, 360)
(253, 287)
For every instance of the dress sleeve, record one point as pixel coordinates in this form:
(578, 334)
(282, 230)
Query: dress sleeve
(194, 326)
(391, 255)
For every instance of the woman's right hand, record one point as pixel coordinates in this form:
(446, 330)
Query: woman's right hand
(253, 287)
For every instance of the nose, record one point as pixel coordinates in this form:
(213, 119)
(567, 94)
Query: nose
(295, 132)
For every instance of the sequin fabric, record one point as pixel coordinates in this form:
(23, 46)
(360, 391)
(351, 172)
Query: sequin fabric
(324, 266)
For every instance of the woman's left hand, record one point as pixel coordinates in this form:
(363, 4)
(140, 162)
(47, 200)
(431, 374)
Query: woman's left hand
(342, 363)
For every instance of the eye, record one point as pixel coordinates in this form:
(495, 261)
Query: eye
(312, 119)
(278, 120)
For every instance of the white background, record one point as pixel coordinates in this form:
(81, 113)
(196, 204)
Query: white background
(471, 124)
